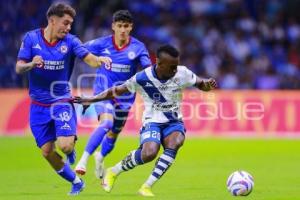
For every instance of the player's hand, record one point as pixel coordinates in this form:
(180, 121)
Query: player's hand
(209, 84)
(82, 100)
(103, 59)
(37, 61)
(85, 101)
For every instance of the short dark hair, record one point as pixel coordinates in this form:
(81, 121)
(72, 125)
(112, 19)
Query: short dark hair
(122, 15)
(60, 9)
(168, 49)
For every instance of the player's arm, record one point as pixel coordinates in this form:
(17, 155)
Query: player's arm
(23, 66)
(205, 84)
(110, 93)
(96, 61)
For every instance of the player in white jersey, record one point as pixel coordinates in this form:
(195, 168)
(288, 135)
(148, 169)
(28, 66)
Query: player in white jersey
(161, 88)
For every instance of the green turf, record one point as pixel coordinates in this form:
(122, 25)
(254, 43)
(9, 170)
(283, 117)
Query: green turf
(200, 171)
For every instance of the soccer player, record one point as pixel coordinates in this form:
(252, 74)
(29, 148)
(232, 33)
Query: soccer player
(47, 54)
(161, 89)
(127, 53)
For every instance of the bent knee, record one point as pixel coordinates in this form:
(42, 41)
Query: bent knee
(47, 153)
(110, 134)
(107, 124)
(67, 147)
(149, 154)
(174, 142)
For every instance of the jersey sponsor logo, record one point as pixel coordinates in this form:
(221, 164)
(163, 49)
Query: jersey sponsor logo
(106, 51)
(119, 68)
(54, 64)
(63, 49)
(131, 55)
(166, 107)
(37, 46)
(163, 87)
(176, 90)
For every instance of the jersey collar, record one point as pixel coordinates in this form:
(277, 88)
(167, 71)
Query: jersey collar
(116, 46)
(155, 75)
(46, 42)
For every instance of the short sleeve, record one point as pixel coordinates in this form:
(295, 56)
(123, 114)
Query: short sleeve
(25, 49)
(93, 47)
(189, 78)
(144, 58)
(131, 84)
(78, 48)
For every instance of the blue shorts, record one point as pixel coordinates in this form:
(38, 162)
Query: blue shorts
(156, 132)
(120, 113)
(49, 122)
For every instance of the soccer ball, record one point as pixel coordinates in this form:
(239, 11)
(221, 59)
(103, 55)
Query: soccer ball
(240, 183)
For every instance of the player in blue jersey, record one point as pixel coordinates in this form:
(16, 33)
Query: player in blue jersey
(47, 54)
(161, 89)
(127, 53)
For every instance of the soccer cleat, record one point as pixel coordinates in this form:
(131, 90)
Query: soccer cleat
(77, 188)
(146, 191)
(71, 157)
(109, 180)
(80, 169)
(99, 168)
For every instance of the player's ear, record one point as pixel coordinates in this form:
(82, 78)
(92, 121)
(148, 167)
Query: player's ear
(113, 26)
(157, 60)
(51, 20)
(131, 26)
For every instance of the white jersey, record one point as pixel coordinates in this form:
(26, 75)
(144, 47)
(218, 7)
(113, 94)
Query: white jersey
(162, 99)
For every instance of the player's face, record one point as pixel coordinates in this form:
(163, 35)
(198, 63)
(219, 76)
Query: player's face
(61, 25)
(168, 65)
(122, 29)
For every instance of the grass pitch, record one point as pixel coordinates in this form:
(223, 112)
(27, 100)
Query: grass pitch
(200, 171)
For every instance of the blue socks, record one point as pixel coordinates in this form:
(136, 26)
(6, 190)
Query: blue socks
(107, 145)
(67, 173)
(138, 157)
(97, 136)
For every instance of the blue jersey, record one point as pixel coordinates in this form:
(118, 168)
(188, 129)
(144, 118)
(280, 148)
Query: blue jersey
(125, 62)
(49, 83)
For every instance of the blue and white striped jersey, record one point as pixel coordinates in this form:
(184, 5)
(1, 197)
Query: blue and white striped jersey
(162, 99)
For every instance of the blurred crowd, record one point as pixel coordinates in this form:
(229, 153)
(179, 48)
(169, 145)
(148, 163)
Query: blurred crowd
(244, 44)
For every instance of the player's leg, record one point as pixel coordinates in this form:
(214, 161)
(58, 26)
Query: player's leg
(107, 146)
(105, 111)
(150, 144)
(65, 128)
(65, 122)
(109, 140)
(63, 169)
(173, 139)
(43, 129)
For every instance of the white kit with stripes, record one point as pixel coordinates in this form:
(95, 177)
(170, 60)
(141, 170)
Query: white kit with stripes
(162, 99)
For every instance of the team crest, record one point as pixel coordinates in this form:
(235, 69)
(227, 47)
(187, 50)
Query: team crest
(108, 67)
(63, 49)
(176, 81)
(131, 55)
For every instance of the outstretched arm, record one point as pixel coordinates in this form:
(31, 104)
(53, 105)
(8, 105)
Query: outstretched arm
(96, 61)
(206, 84)
(110, 93)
